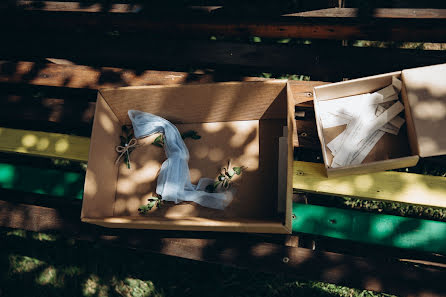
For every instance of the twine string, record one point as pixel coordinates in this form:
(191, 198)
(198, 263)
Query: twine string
(125, 149)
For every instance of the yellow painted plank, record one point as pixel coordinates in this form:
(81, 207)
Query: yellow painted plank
(387, 185)
(44, 144)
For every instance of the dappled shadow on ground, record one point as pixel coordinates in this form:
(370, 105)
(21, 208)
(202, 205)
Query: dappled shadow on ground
(53, 265)
(57, 265)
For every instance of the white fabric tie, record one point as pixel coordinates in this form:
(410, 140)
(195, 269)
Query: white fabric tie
(174, 182)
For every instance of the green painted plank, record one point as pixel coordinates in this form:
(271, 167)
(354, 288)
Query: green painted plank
(388, 230)
(395, 231)
(42, 181)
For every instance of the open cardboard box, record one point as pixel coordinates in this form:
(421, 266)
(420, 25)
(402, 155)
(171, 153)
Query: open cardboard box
(237, 121)
(424, 134)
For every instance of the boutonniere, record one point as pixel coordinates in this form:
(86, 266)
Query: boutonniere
(151, 203)
(128, 144)
(224, 178)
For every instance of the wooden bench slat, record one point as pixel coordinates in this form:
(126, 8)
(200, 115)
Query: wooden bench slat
(382, 229)
(406, 13)
(335, 12)
(44, 144)
(87, 77)
(93, 78)
(71, 105)
(77, 6)
(387, 185)
(104, 7)
(433, 30)
(320, 62)
(42, 180)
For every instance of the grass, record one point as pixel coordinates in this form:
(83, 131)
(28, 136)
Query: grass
(40, 264)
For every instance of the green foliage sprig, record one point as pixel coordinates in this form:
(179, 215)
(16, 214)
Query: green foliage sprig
(224, 178)
(159, 141)
(126, 137)
(151, 203)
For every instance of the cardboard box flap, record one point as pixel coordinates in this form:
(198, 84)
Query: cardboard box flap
(202, 103)
(426, 94)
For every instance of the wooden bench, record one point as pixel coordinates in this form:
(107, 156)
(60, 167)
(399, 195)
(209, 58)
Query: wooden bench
(49, 101)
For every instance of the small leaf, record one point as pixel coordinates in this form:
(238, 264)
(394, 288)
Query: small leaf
(123, 140)
(151, 204)
(159, 141)
(144, 209)
(124, 128)
(237, 170)
(230, 173)
(190, 134)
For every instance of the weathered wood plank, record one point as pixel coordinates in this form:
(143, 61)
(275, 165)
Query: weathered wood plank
(281, 27)
(335, 12)
(93, 78)
(404, 13)
(87, 77)
(105, 6)
(388, 185)
(60, 98)
(44, 144)
(388, 275)
(320, 62)
(98, 6)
